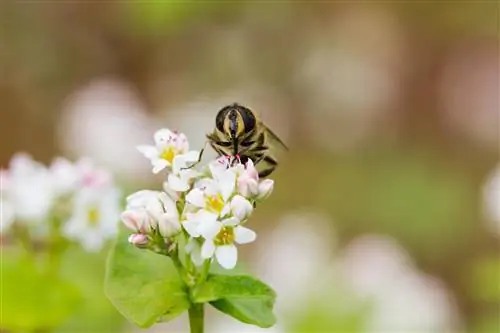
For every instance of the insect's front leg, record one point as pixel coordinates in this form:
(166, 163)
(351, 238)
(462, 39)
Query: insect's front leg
(199, 158)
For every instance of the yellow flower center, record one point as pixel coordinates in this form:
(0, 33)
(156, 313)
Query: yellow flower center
(168, 154)
(225, 236)
(215, 203)
(93, 216)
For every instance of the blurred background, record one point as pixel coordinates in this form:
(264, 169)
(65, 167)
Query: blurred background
(385, 215)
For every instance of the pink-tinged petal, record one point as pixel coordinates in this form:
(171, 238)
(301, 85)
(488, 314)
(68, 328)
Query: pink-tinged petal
(227, 256)
(209, 229)
(176, 184)
(244, 235)
(251, 170)
(253, 187)
(159, 165)
(196, 197)
(265, 188)
(149, 152)
(139, 240)
(232, 221)
(241, 207)
(243, 188)
(191, 228)
(207, 249)
(131, 220)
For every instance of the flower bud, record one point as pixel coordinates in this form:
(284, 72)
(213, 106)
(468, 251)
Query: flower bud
(139, 240)
(265, 189)
(248, 187)
(137, 220)
(241, 207)
(169, 226)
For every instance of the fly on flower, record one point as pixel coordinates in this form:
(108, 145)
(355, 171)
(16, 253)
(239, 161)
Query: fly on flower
(242, 136)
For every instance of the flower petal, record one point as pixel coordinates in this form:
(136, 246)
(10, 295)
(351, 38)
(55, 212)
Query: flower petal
(169, 225)
(207, 249)
(196, 197)
(163, 136)
(244, 235)
(177, 184)
(227, 256)
(227, 183)
(149, 152)
(265, 188)
(232, 221)
(209, 229)
(159, 164)
(241, 207)
(191, 226)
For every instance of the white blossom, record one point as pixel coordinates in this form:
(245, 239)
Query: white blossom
(220, 237)
(95, 217)
(167, 146)
(30, 190)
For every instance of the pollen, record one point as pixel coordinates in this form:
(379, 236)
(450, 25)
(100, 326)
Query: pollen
(215, 203)
(93, 216)
(225, 236)
(168, 154)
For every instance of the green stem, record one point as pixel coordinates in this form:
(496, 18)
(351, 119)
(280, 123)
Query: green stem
(204, 271)
(196, 314)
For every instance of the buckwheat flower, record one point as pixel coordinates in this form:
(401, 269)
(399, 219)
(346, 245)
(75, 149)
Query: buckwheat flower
(168, 144)
(96, 212)
(152, 210)
(30, 189)
(65, 175)
(220, 238)
(193, 221)
(180, 178)
(215, 192)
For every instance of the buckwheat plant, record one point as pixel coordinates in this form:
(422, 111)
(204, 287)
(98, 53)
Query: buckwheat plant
(180, 243)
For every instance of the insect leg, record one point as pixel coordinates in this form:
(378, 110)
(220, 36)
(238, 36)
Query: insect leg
(199, 157)
(273, 163)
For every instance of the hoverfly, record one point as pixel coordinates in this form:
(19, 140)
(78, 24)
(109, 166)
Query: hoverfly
(239, 133)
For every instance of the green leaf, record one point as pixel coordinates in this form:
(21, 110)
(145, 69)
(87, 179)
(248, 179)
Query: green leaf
(242, 297)
(27, 289)
(225, 286)
(254, 311)
(145, 287)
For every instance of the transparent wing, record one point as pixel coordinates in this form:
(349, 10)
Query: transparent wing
(273, 138)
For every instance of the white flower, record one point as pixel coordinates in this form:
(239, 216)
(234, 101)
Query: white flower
(30, 189)
(220, 238)
(6, 215)
(214, 194)
(95, 217)
(65, 176)
(147, 210)
(179, 179)
(167, 146)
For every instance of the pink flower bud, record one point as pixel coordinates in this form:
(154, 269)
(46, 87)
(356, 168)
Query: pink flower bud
(265, 189)
(139, 240)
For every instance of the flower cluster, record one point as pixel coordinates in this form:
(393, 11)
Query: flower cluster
(77, 199)
(208, 206)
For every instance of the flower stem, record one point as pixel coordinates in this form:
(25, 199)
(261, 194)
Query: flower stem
(196, 314)
(204, 271)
